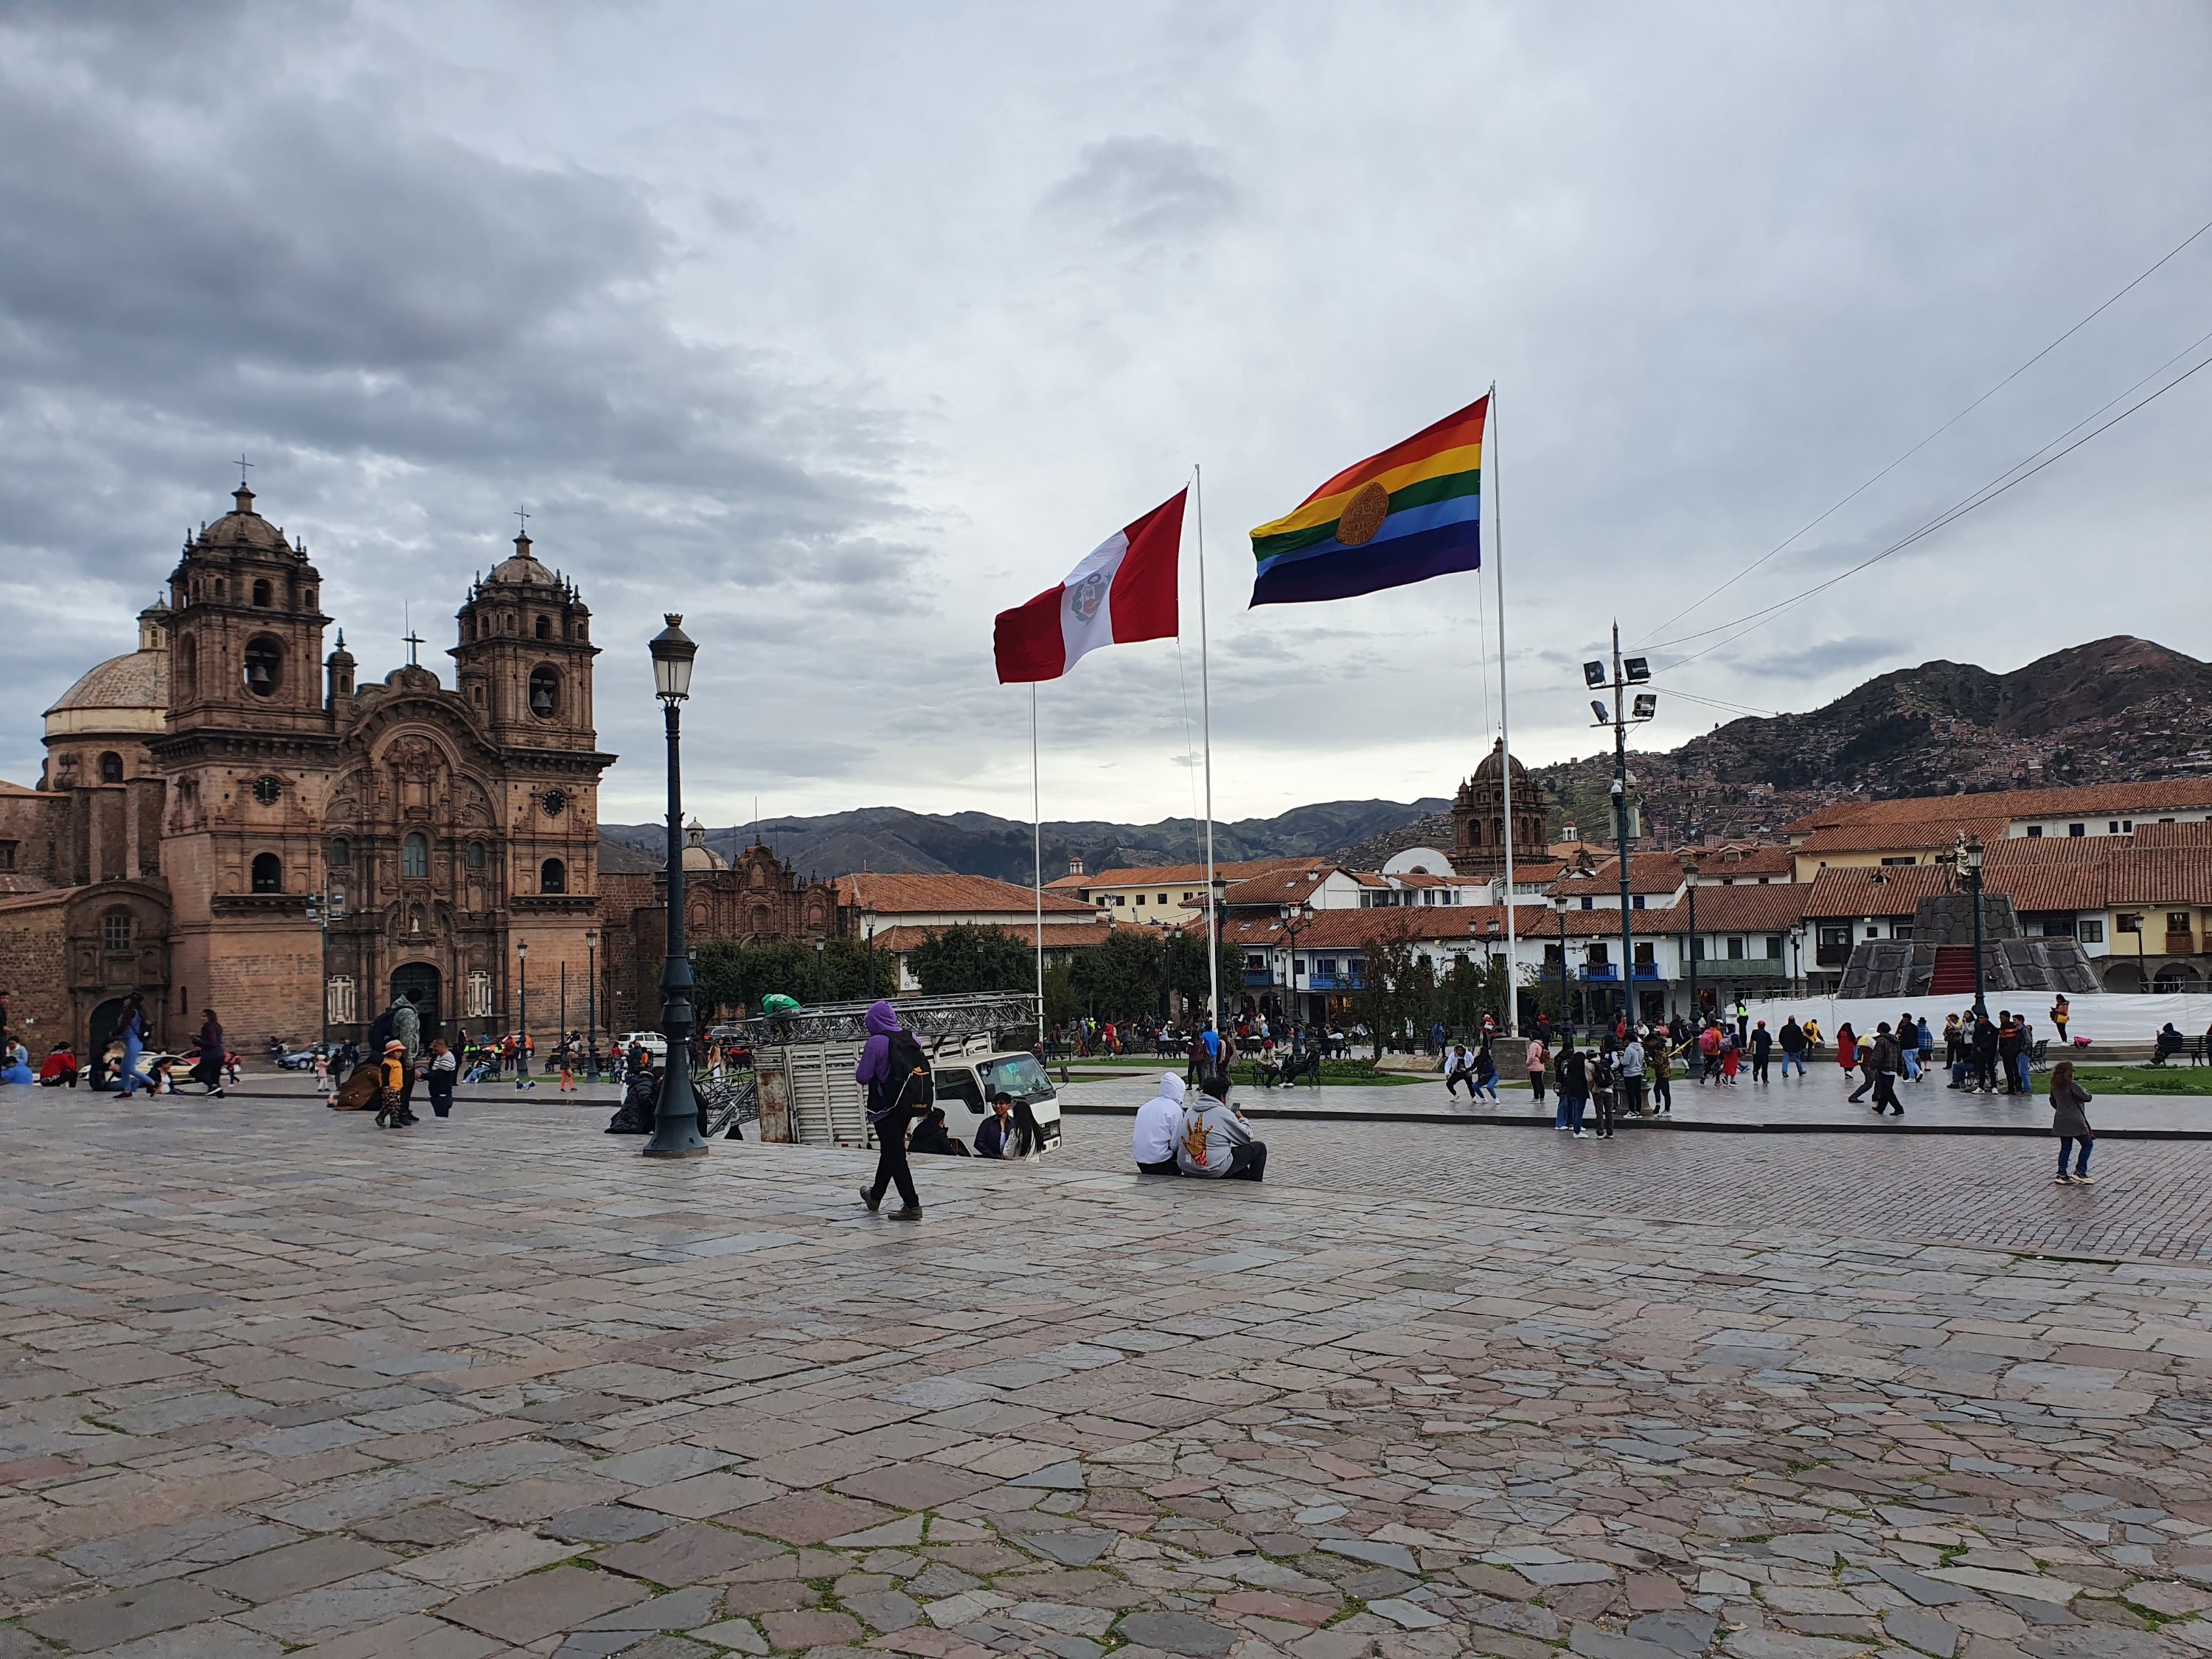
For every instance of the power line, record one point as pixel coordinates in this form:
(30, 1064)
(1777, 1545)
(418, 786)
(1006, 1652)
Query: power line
(1950, 516)
(1814, 523)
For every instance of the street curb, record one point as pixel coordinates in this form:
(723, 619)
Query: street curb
(1680, 1126)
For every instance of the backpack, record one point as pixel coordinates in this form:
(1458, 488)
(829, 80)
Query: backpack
(907, 1080)
(379, 1033)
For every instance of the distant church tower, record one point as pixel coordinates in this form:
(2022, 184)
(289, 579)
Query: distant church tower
(1478, 816)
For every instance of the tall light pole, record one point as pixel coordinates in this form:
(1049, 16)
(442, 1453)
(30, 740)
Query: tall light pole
(1216, 896)
(1690, 947)
(676, 1119)
(821, 951)
(1969, 855)
(1297, 919)
(872, 956)
(592, 999)
(1634, 671)
(522, 1016)
(1559, 903)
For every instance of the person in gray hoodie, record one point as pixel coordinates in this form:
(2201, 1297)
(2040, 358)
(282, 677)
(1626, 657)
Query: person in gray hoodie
(896, 1075)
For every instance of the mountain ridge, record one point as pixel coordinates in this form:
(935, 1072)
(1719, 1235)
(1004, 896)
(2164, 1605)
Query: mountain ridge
(2113, 709)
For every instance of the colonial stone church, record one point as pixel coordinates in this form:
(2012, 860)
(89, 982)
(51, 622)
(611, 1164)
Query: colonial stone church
(227, 819)
(1478, 817)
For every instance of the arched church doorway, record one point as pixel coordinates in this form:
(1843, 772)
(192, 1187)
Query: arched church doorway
(421, 978)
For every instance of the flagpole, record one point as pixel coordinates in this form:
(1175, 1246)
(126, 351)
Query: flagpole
(1504, 736)
(1205, 728)
(1036, 855)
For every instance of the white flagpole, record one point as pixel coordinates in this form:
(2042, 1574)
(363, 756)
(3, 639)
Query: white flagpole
(1036, 853)
(1206, 726)
(1505, 750)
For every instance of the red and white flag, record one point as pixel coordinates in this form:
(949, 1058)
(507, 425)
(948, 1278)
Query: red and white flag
(1124, 590)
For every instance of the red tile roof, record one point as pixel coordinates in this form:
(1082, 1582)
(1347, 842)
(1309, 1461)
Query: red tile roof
(1882, 891)
(1058, 936)
(1289, 886)
(1720, 910)
(902, 895)
(1229, 869)
(1916, 835)
(2166, 794)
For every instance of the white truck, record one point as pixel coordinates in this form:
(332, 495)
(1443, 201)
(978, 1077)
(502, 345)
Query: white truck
(802, 1066)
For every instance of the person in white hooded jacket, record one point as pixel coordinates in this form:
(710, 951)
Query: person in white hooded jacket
(1159, 1126)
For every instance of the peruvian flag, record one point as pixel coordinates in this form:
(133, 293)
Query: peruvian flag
(1124, 590)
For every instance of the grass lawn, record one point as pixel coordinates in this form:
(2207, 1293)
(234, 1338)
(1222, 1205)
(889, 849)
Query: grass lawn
(2169, 1079)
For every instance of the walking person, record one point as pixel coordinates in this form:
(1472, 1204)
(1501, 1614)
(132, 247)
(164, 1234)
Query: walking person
(1662, 1056)
(1883, 1058)
(207, 1069)
(1793, 1046)
(1927, 1045)
(896, 1075)
(131, 1028)
(1762, 1051)
(1985, 1055)
(2062, 1012)
(442, 1072)
(2070, 1122)
(1632, 1061)
(1539, 1060)
(1731, 1057)
(1605, 1081)
(1908, 1047)
(323, 1072)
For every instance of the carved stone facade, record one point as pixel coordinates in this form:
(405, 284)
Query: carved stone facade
(1478, 817)
(293, 848)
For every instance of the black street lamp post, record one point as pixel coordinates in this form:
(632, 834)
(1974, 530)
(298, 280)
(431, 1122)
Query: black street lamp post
(1566, 1019)
(821, 950)
(1297, 919)
(1690, 946)
(676, 1119)
(522, 1016)
(592, 999)
(871, 958)
(1970, 855)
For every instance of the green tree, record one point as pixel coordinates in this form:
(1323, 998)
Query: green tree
(1128, 976)
(733, 975)
(1390, 980)
(968, 958)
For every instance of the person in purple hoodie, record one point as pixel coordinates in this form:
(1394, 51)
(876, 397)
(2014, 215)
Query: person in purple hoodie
(896, 1073)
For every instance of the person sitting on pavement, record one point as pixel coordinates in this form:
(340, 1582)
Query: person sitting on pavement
(992, 1139)
(1159, 1125)
(932, 1137)
(60, 1067)
(1216, 1141)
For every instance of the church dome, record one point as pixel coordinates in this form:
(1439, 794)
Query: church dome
(1494, 762)
(242, 527)
(697, 855)
(521, 567)
(124, 694)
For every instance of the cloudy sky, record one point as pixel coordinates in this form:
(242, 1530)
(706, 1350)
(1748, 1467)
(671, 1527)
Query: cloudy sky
(840, 327)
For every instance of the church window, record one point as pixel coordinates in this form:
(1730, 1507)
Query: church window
(265, 667)
(219, 587)
(115, 930)
(341, 853)
(553, 877)
(268, 873)
(261, 595)
(415, 856)
(268, 790)
(476, 855)
(307, 598)
(545, 692)
(339, 1005)
(6, 855)
(546, 628)
(580, 629)
(188, 665)
(111, 768)
(507, 622)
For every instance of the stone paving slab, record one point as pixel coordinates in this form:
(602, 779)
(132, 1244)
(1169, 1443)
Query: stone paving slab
(1413, 1407)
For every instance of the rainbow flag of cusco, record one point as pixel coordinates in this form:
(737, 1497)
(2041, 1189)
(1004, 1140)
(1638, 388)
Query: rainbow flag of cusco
(1403, 516)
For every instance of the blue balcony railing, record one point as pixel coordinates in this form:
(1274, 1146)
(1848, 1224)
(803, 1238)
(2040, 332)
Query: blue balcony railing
(1607, 973)
(1348, 981)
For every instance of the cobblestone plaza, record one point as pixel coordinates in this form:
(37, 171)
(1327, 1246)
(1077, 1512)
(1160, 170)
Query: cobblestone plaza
(275, 1382)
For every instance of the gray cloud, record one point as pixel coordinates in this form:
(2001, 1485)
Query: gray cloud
(840, 336)
(1136, 189)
